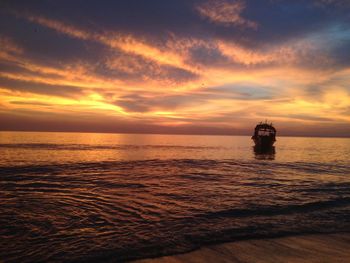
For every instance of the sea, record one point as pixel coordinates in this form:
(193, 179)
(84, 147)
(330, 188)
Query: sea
(85, 197)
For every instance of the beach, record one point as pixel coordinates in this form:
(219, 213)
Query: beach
(297, 249)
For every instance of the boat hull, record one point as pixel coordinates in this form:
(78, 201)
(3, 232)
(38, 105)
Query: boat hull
(264, 142)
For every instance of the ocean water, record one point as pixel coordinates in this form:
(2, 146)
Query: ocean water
(116, 197)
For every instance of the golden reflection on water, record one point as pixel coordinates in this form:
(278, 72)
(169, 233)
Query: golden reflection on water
(42, 148)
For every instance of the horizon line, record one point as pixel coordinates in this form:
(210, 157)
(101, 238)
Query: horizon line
(182, 134)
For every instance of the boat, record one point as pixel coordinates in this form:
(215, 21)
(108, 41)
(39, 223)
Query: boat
(264, 136)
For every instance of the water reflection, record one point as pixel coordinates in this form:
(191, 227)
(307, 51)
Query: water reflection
(18, 148)
(79, 193)
(264, 154)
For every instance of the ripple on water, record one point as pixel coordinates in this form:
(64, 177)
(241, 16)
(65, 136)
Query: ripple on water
(122, 209)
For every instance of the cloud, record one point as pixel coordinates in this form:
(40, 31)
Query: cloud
(60, 27)
(208, 55)
(158, 102)
(8, 46)
(241, 91)
(138, 68)
(40, 88)
(225, 13)
(116, 40)
(31, 103)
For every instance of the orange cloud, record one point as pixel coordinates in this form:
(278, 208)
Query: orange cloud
(126, 43)
(60, 27)
(226, 13)
(281, 55)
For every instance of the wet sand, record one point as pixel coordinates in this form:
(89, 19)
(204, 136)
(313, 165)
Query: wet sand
(304, 248)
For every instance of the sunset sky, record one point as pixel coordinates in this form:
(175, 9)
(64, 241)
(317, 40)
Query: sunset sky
(184, 66)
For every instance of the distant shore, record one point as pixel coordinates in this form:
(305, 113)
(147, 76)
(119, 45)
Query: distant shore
(302, 248)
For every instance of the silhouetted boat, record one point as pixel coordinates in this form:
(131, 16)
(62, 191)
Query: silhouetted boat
(264, 136)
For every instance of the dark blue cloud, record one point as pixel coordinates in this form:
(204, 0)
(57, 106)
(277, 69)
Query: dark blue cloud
(209, 56)
(44, 45)
(41, 88)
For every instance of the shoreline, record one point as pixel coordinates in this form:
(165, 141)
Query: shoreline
(298, 248)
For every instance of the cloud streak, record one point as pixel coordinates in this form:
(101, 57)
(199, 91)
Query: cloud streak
(226, 13)
(115, 40)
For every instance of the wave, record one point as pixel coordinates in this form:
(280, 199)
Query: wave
(220, 166)
(281, 210)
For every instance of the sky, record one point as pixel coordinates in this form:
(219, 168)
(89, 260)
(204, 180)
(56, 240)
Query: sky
(180, 67)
